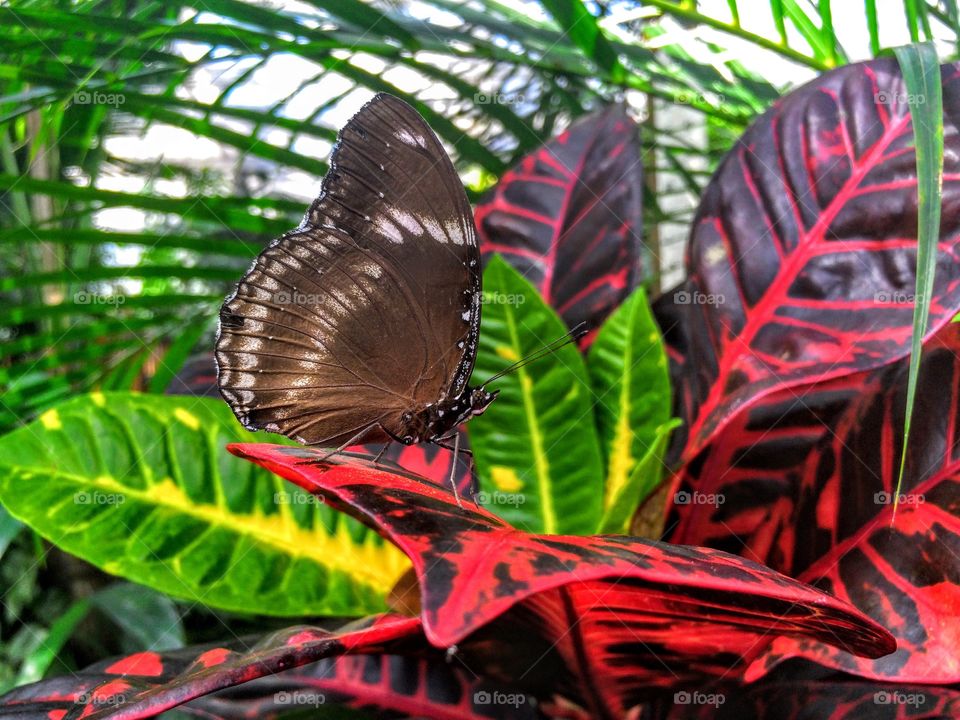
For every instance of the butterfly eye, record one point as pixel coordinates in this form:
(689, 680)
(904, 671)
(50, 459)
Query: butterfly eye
(408, 439)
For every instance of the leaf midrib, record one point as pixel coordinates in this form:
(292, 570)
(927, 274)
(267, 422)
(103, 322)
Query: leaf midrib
(541, 466)
(617, 482)
(323, 549)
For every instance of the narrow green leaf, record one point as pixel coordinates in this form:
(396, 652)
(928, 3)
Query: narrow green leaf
(579, 24)
(631, 384)
(873, 26)
(921, 75)
(150, 619)
(645, 478)
(49, 645)
(913, 21)
(142, 487)
(367, 19)
(178, 352)
(10, 527)
(536, 447)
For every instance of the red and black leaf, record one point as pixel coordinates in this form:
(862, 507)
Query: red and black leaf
(817, 700)
(802, 255)
(429, 461)
(900, 567)
(381, 685)
(607, 618)
(145, 684)
(669, 315)
(569, 217)
(806, 485)
(741, 492)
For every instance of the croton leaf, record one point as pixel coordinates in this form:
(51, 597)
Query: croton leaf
(381, 685)
(804, 485)
(537, 452)
(429, 461)
(140, 486)
(821, 699)
(569, 218)
(631, 384)
(802, 253)
(669, 316)
(741, 493)
(609, 617)
(199, 378)
(147, 683)
(897, 564)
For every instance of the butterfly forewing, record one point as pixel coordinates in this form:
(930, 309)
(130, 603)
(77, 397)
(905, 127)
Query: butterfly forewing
(371, 308)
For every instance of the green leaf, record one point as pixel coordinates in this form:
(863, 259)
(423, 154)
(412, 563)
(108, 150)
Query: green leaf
(536, 447)
(631, 381)
(921, 75)
(50, 642)
(10, 527)
(142, 487)
(583, 29)
(367, 18)
(646, 476)
(150, 620)
(177, 354)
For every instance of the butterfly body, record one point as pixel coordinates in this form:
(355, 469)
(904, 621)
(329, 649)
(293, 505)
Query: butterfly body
(440, 421)
(361, 325)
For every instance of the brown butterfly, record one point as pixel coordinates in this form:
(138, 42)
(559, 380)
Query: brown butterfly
(362, 324)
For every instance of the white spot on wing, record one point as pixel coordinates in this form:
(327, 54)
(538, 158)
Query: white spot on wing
(454, 231)
(407, 220)
(408, 138)
(387, 229)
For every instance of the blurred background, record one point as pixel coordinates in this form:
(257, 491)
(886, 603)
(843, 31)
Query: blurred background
(148, 151)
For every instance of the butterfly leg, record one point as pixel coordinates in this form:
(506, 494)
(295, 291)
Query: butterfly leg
(445, 446)
(453, 470)
(352, 441)
(382, 451)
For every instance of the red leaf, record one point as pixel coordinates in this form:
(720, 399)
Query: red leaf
(824, 699)
(800, 494)
(130, 688)
(388, 684)
(622, 614)
(568, 217)
(802, 255)
(429, 461)
(903, 571)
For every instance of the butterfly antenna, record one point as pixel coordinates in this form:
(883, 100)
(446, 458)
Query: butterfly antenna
(575, 333)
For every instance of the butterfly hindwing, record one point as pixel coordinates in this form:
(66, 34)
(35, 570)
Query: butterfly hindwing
(369, 309)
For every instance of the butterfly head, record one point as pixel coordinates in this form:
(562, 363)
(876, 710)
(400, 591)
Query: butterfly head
(480, 399)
